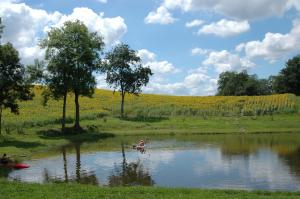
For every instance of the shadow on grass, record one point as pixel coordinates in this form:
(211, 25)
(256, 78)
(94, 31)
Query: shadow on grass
(74, 135)
(144, 119)
(19, 144)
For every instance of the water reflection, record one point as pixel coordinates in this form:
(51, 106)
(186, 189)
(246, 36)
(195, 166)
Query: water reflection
(129, 174)
(81, 176)
(292, 159)
(269, 162)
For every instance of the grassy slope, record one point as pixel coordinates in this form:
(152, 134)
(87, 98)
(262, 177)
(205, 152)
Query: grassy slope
(24, 191)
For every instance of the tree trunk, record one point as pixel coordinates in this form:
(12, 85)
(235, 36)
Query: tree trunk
(63, 120)
(122, 105)
(65, 164)
(78, 163)
(0, 119)
(77, 125)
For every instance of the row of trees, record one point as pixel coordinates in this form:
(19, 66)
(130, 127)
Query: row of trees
(237, 84)
(73, 57)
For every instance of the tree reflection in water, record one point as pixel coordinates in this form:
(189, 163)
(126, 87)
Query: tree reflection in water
(81, 176)
(129, 174)
(292, 159)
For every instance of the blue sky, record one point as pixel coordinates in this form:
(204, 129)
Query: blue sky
(187, 43)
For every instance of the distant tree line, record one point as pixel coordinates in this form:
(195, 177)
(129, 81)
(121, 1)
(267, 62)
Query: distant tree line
(73, 57)
(237, 84)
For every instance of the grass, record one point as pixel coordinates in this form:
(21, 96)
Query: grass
(12, 190)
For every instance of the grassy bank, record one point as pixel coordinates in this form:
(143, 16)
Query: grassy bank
(13, 190)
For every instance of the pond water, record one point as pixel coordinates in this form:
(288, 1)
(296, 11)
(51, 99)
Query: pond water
(263, 161)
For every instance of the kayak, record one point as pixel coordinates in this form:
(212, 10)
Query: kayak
(21, 166)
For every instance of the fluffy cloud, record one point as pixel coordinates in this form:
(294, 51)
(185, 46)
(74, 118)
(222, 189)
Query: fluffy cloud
(112, 29)
(160, 16)
(199, 51)
(225, 28)
(238, 9)
(157, 67)
(197, 82)
(194, 23)
(274, 45)
(225, 61)
(25, 26)
(193, 84)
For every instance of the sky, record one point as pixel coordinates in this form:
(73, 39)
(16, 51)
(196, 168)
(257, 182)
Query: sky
(186, 43)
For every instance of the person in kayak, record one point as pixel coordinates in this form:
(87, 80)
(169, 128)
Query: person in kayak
(140, 147)
(5, 159)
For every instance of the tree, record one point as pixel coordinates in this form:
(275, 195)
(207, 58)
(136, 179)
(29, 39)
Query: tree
(125, 72)
(73, 55)
(13, 84)
(288, 80)
(237, 84)
(58, 78)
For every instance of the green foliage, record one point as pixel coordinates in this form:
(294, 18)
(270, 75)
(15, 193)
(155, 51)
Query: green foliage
(288, 80)
(73, 56)
(13, 84)
(125, 72)
(239, 84)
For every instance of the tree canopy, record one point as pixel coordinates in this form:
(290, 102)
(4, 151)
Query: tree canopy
(125, 72)
(73, 56)
(237, 84)
(13, 84)
(288, 80)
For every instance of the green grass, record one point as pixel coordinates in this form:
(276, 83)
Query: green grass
(13, 190)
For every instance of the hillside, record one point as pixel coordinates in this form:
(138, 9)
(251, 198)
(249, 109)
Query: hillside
(106, 104)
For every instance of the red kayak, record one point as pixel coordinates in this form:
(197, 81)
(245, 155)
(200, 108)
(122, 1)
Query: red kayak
(21, 166)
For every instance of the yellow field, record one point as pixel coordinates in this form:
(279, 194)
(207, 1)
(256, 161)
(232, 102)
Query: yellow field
(33, 113)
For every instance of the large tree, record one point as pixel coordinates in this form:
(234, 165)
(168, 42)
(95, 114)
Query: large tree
(125, 72)
(288, 80)
(13, 84)
(73, 55)
(237, 84)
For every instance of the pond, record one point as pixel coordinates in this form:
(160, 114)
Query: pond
(262, 161)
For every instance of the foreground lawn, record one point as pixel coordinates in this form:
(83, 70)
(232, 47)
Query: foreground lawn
(12, 190)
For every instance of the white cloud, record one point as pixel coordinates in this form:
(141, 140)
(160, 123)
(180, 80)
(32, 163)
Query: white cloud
(240, 47)
(196, 83)
(160, 16)
(275, 45)
(199, 51)
(112, 29)
(194, 23)
(225, 28)
(157, 67)
(193, 84)
(25, 26)
(238, 9)
(225, 61)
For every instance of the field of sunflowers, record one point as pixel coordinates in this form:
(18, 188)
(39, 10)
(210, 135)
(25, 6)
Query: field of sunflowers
(106, 104)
